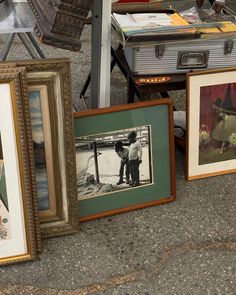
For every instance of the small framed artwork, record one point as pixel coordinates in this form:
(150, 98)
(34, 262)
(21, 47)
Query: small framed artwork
(211, 123)
(18, 216)
(124, 157)
(50, 103)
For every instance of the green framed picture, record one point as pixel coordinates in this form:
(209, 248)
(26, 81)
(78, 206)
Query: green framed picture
(124, 158)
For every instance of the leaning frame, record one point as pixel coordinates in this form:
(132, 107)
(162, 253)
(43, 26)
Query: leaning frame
(17, 157)
(211, 123)
(54, 74)
(97, 132)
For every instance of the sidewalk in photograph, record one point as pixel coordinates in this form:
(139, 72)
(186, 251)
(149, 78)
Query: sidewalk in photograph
(109, 166)
(184, 247)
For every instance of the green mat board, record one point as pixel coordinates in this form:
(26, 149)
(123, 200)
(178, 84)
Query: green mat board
(155, 116)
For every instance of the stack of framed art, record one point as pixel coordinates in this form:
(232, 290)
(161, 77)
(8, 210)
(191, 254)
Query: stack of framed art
(37, 159)
(56, 166)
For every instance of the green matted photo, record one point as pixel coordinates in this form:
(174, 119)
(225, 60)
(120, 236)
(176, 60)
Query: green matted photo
(124, 158)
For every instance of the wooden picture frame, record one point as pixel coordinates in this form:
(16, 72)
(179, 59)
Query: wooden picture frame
(211, 123)
(49, 92)
(19, 226)
(101, 191)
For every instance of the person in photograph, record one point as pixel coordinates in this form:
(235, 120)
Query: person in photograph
(123, 153)
(135, 158)
(226, 124)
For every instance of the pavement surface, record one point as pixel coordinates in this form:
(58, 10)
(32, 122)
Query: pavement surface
(184, 247)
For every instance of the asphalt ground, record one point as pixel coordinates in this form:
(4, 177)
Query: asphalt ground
(184, 247)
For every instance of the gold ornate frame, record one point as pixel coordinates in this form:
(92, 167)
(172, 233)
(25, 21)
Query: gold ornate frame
(16, 79)
(54, 74)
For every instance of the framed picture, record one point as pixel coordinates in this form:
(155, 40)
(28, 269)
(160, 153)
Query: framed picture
(18, 216)
(49, 94)
(211, 123)
(124, 157)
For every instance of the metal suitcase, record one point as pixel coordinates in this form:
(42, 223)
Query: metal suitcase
(179, 53)
(181, 58)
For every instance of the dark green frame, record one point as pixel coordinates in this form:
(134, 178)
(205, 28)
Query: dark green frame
(159, 115)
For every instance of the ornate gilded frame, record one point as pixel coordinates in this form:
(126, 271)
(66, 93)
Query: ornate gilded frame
(24, 240)
(54, 74)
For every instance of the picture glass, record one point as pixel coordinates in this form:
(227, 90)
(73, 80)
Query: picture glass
(113, 161)
(40, 115)
(217, 130)
(39, 149)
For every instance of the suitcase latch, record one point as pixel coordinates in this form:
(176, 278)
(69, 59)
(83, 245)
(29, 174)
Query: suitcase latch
(228, 47)
(192, 60)
(159, 50)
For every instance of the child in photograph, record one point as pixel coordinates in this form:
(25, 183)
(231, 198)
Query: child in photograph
(123, 153)
(135, 158)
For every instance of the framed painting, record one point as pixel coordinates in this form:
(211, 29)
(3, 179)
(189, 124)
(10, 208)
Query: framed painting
(49, 94)
(124, 157)
(19, 225)
(211, 123)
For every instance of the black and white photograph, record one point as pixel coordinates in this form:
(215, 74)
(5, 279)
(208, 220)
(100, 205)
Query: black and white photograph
(113, 161)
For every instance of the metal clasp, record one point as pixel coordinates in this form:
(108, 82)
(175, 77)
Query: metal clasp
(228, 46)
(159, 50)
